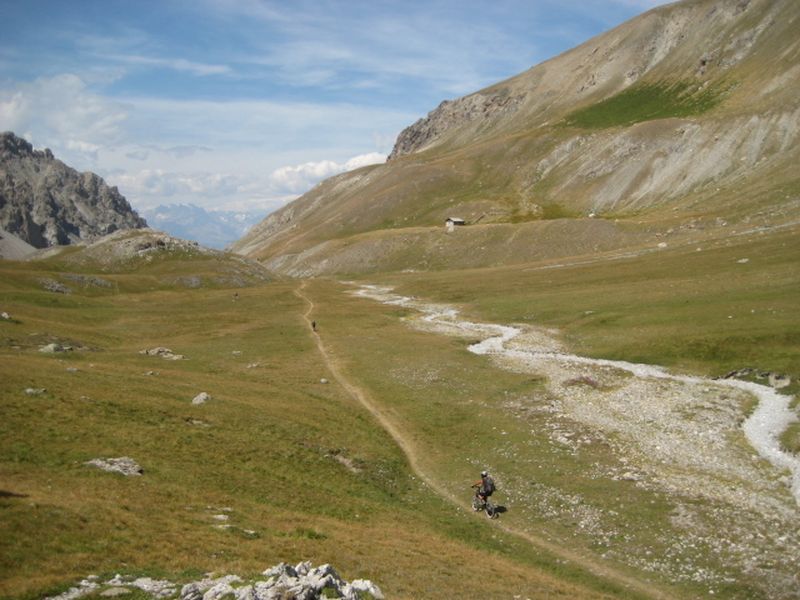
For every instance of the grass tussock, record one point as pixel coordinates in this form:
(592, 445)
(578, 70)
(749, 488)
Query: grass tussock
(790, 440)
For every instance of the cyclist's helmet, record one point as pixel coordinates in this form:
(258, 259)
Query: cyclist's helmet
(484, 473)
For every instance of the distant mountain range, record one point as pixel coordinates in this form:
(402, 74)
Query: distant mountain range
(681, 123)
(212, 228)
(43, 202)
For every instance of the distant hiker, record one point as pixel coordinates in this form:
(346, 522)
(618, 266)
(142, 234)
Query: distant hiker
(235, 296)
(313, 325)
(485, 486)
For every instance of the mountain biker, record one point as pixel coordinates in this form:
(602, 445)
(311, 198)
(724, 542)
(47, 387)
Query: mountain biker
(485, 486)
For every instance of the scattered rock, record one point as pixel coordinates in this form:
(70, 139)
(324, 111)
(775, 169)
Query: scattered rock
(158, 588)
(51, 285)
(190, 281)
(301, 582)
(84, 588)
(72, 370)
(662, 244)
(35, 391)
(253, 365)
(88, 280)
(743, 261)
(5, 316)
(775, 380)
(220, 517)
(201, 398)
(123, 465)
(365, 586)
(323, 380)
(347, 462)
(305, 581)
(237, 352)
(115, 591)
(54, 348)
(164, 353)
(779, 381)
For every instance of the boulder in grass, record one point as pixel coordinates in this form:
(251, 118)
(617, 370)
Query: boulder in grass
(164, 353)
(54, 348)
(201, 398)
(302, 581)
(123, 465)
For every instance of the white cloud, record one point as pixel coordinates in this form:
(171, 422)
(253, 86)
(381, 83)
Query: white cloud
(363, 160)
(62, 113)
(146, 188)
(300, 178)
(238, 155)
(297, 178)
(164, 184)
(245, 137)
(176, 64)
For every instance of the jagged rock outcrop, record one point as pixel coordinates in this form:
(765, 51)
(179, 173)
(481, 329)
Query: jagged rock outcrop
(46, 203)
(454, 113)
(301, 582)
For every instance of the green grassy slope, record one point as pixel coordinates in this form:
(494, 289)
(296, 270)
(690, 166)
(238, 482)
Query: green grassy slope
(700, 307)
(306, 472)
(704, 310)
(299, 468)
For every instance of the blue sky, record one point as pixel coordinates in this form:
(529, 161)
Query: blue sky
(245, 104)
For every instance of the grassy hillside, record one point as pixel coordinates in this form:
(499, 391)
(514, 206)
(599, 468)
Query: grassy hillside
(646, 102)
(304, 472)
(670, 307)
(299, 468)
(706, 308)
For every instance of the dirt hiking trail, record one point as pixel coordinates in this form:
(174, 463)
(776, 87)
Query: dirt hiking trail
(646, 589)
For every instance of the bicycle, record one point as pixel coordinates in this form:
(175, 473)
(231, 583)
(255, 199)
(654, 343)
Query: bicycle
(484, 504)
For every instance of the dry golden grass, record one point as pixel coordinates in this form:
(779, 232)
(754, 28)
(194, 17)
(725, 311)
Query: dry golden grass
(264, 447)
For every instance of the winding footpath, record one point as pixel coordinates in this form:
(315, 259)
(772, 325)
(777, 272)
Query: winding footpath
(543, 353)
(643, 588)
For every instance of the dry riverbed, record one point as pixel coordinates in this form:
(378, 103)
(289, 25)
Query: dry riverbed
(733, 491)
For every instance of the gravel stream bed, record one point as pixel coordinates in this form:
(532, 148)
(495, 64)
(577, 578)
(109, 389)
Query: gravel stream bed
(735, 493)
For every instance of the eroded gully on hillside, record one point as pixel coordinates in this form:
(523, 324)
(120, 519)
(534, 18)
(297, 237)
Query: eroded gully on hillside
(673, 434)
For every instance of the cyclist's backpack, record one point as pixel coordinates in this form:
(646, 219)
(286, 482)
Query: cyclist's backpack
(488, 485)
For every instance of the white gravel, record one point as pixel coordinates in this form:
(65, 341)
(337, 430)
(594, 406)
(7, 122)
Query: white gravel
(659, 424)
(675, 434)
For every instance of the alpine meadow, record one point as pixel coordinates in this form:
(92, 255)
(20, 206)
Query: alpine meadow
(583, 279)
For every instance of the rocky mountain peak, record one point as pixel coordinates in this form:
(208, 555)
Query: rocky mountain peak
(12, 146)
(47, 203)
(454, 113)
